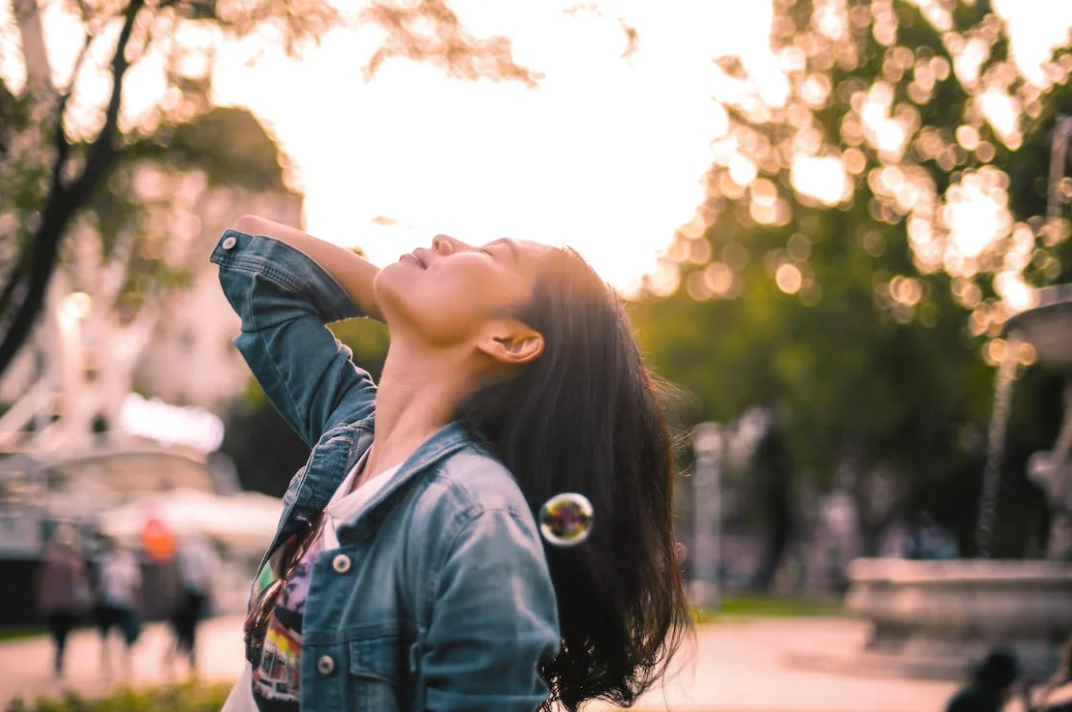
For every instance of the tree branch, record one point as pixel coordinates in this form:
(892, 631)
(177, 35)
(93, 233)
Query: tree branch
(64, 202)
(103, 148)
(78, 61)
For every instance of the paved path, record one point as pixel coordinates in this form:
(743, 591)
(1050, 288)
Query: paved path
(26, 665)
(734, 666)
(740, 666)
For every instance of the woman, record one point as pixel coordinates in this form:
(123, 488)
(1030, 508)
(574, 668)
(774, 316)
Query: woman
(993, 683)
(408, 571)
(63, 590)
(197, 563)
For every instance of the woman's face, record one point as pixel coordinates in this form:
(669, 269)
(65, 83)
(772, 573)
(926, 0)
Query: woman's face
(456, 293)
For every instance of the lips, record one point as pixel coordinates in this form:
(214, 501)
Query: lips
(420, 254)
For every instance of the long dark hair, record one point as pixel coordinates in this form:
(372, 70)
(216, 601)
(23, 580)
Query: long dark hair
(585, 417)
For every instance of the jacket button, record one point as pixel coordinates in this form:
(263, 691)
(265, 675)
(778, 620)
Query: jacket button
(229, 242)
(325, 665)
(341, 563)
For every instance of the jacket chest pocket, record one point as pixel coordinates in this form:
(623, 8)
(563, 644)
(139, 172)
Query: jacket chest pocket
(374, 673)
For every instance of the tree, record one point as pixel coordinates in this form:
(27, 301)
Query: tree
(858, 252)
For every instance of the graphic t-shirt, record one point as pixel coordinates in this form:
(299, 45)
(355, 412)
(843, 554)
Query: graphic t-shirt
(276, 681)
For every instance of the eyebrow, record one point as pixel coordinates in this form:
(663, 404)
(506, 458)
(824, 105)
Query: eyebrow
(511, 245)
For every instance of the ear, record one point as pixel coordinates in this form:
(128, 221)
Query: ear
(512, 344)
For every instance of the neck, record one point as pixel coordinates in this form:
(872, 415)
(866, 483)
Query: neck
(417, 395)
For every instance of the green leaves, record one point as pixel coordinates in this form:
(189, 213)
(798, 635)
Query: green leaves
(866, 315)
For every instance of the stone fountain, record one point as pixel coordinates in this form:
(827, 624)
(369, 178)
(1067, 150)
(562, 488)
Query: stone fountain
(1048, 328)
(934, 619)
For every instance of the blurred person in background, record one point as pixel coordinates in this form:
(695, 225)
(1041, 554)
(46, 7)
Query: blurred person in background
(993, 684)
(1059, 686)
(197, 563)
(408, 571)
(928, 539)
(119, 584)
(63, 588)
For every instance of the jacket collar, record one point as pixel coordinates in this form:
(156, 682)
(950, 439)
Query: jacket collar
(446, 441)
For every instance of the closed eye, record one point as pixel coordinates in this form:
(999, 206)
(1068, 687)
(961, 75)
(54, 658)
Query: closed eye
(511, 246)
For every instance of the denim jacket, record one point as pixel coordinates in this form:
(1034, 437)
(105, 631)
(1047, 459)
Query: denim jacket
(439, 595)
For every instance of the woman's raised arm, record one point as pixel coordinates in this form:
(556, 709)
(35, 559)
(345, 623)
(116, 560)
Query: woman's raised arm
(354, 273)
(286, 287)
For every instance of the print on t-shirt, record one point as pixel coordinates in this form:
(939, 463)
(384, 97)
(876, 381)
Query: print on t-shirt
(276, 680)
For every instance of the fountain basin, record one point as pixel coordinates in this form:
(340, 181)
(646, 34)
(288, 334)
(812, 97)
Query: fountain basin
(934, 619)
(1047, 326)
(964, 597)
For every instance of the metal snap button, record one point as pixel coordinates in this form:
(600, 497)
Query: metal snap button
(341, 563)
(325, 665)
(229, 242)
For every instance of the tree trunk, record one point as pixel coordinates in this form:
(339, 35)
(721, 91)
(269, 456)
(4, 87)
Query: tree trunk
(45, 252)
(65, 199)
(34, 50)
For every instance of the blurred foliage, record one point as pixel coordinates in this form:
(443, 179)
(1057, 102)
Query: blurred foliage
(429, 31)
(145, 221)
(148, 214)
(860, 250)
(230, 145)
(191, 697)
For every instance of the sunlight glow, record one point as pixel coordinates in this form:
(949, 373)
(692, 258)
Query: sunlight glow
(606, 155)
(976, 213)
(822, 178)
(609, 153)
(788, 278)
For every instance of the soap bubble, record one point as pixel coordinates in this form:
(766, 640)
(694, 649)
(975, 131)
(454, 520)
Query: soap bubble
(566, 519)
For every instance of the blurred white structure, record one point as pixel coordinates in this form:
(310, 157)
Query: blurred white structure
(87, 356)
(242, 522)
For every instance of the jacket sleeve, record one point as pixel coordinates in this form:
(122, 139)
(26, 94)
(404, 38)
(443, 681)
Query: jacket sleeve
(494, 620)
(284, 299)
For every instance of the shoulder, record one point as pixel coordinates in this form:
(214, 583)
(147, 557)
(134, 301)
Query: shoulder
(971, 699)
(478, 479)
(471, 484)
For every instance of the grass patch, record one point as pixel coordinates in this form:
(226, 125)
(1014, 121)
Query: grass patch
(9, 634)
(190, 697)
(757, 606)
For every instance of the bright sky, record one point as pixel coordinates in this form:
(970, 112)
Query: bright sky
(606, 155)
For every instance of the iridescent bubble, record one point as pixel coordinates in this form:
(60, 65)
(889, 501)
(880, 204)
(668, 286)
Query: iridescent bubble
(566, 519)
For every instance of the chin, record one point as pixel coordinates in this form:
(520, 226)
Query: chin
(391, 287)
(393, 277)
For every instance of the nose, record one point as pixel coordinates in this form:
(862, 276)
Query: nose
(441, 244)
(446, 245)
